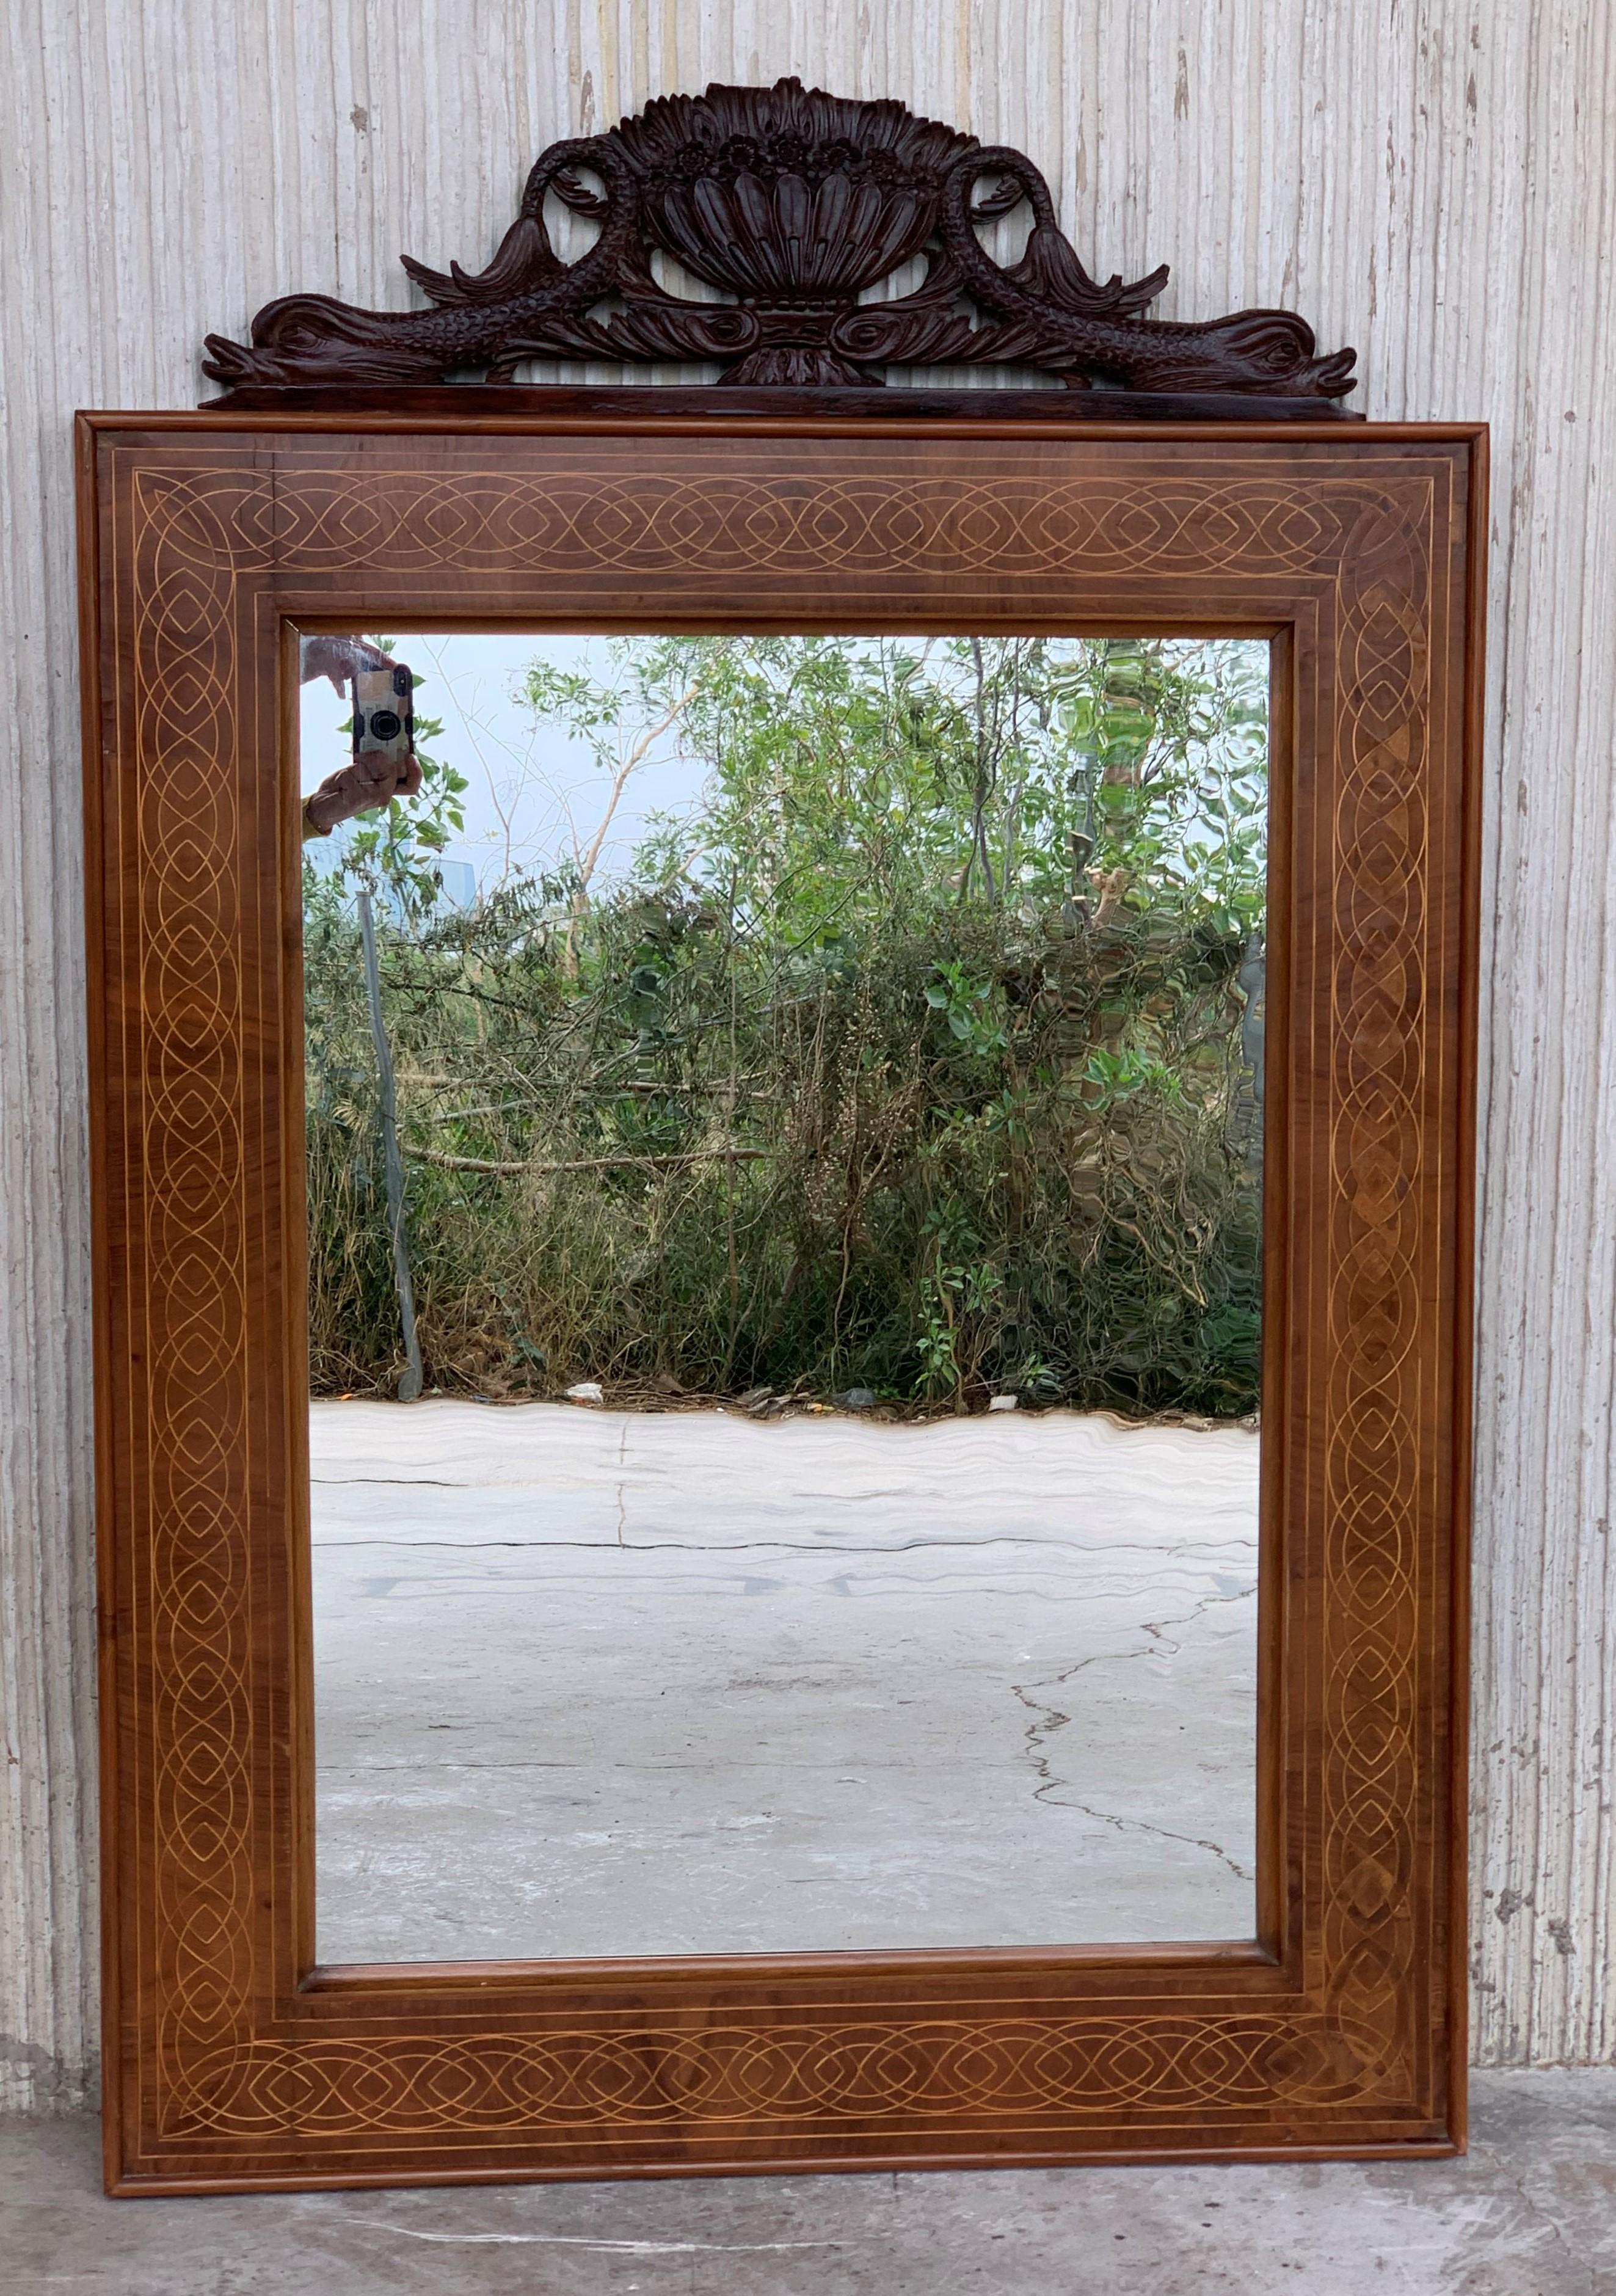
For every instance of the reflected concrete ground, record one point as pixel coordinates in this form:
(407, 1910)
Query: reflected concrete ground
(592, 1682)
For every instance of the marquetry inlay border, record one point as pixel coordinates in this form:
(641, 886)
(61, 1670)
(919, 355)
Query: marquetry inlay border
(1360, 551)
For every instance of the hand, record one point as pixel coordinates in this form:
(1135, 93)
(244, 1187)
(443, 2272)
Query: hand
(364, 786)
(373, 778)
(324, 655)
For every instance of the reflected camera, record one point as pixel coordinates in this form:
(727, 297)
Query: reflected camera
(384, 714)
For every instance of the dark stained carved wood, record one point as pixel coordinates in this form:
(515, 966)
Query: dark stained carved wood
(641, 402)
(792, 205)
(230, 2060)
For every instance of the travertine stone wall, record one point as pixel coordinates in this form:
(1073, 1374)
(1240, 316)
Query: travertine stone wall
(1435, 184)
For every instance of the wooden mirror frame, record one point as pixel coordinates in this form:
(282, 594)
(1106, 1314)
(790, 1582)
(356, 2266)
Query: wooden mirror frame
(232, 2062)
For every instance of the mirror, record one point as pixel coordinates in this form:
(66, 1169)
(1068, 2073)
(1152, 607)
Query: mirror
(787, 1049)
(790, 1107)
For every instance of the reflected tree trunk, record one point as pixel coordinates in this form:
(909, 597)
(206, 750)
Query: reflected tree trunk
(410, 1383)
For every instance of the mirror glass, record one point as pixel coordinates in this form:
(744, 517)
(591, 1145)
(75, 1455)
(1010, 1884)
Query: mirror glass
(784, 1128)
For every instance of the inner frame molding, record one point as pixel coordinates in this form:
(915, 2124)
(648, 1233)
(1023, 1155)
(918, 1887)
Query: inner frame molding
(232, 2060)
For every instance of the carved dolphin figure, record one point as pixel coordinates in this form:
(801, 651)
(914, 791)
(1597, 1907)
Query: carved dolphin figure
(793, 203)
(314, 339)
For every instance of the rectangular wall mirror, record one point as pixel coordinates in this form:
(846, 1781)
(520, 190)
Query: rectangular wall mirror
(783, 1359)
(835, 1063)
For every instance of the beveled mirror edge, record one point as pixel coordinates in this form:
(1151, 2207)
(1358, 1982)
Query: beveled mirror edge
(1243, 1957)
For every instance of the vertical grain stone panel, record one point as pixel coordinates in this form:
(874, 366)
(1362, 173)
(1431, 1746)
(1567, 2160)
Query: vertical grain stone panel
(1436, 184)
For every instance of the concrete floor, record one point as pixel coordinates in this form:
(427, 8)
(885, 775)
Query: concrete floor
(1530, 2212)
(594, 1682)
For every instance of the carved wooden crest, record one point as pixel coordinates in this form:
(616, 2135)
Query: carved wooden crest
(794, 205)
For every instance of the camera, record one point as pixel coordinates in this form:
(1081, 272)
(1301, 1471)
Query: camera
(384, 714)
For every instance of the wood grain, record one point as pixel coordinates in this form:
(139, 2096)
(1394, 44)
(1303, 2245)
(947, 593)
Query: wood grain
(231, 2063)
(464, 401)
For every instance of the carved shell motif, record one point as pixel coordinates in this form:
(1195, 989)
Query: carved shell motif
(794, 205)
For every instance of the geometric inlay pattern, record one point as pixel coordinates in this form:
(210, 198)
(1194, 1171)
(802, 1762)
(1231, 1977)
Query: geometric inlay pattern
(1358, 550)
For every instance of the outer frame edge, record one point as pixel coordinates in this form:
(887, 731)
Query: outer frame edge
(87, 517)
(90, 509)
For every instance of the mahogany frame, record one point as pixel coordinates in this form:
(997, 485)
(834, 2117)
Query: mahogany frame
(232, 2060)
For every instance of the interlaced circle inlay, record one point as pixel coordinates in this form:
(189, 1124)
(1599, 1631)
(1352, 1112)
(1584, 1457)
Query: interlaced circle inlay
(208, 531)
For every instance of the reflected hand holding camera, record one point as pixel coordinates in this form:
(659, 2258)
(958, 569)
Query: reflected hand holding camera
(384, 765)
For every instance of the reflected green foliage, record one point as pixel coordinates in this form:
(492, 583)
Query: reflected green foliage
(920, 1057)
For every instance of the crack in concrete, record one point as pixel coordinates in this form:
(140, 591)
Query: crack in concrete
(1159, 1626)
(1050, 1718)
(788, 1546)
(396, 1483)
(433, 1763)
(1536, 2212)
(443, 1762)
(602, 2247)
(1161, 1832)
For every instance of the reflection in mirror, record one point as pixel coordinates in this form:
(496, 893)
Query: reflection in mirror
(790, 1108)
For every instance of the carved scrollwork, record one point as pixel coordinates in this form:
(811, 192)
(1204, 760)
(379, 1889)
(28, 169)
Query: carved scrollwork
(794, 205)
